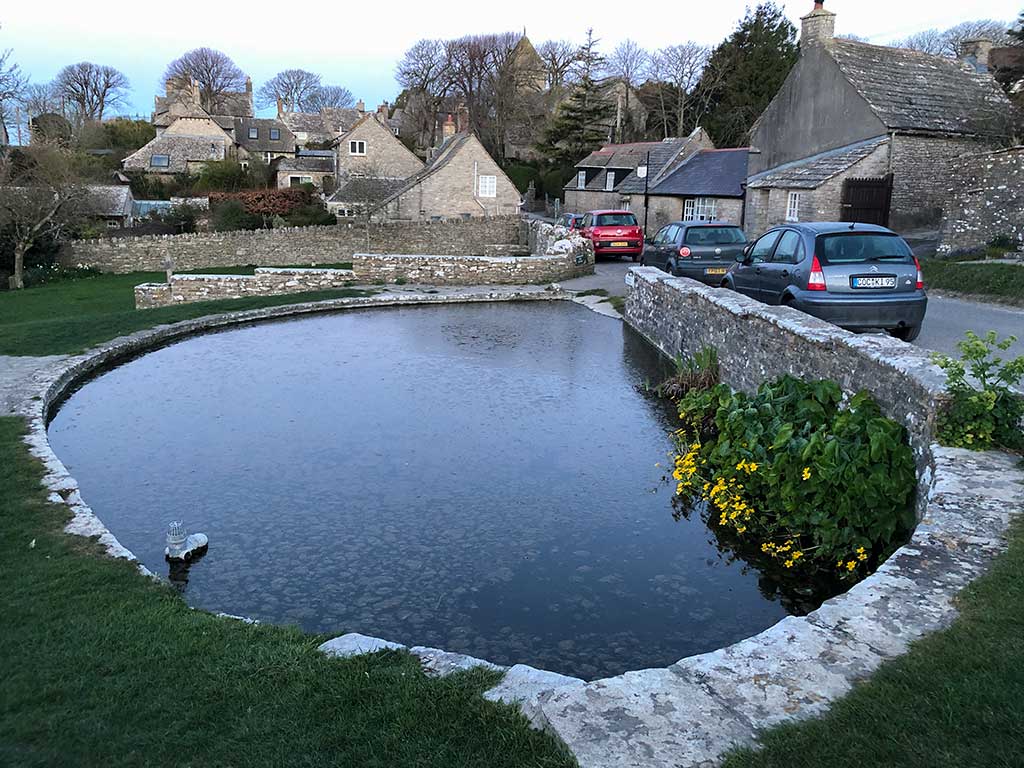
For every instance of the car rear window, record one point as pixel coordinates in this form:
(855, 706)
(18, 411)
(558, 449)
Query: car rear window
(714, 236)
(857, 248)
(615, 220)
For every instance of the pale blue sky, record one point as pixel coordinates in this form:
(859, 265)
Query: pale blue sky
(357, 46)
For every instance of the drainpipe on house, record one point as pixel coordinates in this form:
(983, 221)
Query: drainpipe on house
(647, 177)
(743, 206)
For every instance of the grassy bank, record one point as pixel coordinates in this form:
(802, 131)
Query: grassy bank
(1001, 282)
(956, 700)
(71, 315)
(103, 667)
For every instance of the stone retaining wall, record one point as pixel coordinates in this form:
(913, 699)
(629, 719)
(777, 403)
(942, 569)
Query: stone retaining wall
(986, 201)
(267, 281)
(292, 245)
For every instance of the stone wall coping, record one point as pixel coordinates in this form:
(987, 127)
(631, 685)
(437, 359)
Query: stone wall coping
(302, 271)
(693, 711)
(479, 259)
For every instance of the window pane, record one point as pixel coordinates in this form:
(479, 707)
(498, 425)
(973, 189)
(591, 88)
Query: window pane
(714, 236)
(254, 133)
(688, 208)
(616, 220)
(793, 206)
(275, 134)
(763, 247)
(787, 249)
(581, 179)
(856, 248)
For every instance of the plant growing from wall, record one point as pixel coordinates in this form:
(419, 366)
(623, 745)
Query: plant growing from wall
(806, 479)
(983, 411)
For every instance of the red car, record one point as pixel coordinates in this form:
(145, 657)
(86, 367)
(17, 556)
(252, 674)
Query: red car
(613, 233)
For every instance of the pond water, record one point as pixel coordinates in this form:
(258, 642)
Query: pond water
(480, 478)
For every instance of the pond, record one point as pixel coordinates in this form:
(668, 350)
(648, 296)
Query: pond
(480, 478)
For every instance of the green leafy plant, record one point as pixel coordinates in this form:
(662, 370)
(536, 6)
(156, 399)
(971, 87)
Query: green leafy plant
(699, 372)
(983, 411)
(792, 470)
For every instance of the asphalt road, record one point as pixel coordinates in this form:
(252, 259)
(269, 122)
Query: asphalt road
(944, 325)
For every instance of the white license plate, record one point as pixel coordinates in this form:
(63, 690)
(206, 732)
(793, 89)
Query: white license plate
(873, 282)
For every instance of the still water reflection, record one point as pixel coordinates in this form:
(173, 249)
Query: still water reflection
(479, 478)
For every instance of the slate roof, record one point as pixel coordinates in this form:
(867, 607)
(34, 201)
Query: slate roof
(909, 90)
(707, 173)
(180, 102)
(110, 200)
(307, 163)
(448, 150)
(619, 157)
(366, 190)
(263, 142)
(180, 149)
(812, 172)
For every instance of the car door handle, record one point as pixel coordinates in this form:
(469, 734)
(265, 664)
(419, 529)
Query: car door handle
(785, 273)
(757, 271)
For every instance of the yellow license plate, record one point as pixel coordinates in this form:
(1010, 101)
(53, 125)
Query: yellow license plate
(715, 271)
(619, 244)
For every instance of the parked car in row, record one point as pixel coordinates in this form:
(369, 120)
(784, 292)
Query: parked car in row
(570, 221)
(857, 276)
(702, 250)
(613, 233)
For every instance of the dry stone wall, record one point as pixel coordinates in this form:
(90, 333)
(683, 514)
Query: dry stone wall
(987, 201)
(292, 245)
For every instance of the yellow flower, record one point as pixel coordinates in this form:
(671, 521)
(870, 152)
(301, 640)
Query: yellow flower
(807, 473)
(860, 550)
(862, 556)
(851, 565)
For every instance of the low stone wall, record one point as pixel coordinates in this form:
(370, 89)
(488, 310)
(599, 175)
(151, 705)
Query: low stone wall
(292, 245)
(469, 270)
(986, 201)
(756, 342)
(267, 281)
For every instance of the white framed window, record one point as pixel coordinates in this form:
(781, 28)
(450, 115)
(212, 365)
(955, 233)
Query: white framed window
(113, 224)
(609, 181)
(626, 202)
(267, 157)
(275, 134)
(254, 133)
(793, 206)
(160, 161)
(357, 147)
(699, 209)
(581, 179)
(488, 186)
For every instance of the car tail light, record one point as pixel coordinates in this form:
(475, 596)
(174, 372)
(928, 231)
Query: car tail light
(920, 277)
(816, 281)
(684, 251)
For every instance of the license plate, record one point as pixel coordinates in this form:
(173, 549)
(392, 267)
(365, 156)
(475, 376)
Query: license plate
(873, 282)
(715, 271)
(619, 244)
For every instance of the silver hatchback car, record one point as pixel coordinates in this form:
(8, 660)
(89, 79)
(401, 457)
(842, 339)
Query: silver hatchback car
(858, 276)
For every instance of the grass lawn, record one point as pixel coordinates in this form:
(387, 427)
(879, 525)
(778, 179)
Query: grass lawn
(71, 315)
(104, 667)
(1003, 282)
(956, 700)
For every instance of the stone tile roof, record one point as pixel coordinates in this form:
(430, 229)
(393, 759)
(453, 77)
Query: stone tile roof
(663, 156)
(909, 90)
(448, 150)
(707, 173)
(812, 172)
(306, 163)
(180, 149)
(263, 142)
(366, 190)
(325, 124)
(179, 102)
(109, 200)
(619, 155)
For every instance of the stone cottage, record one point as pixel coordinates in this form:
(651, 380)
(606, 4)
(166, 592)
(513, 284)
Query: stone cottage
(461, 181)
(263, 138)
(183, 98)
(111, 205)
(616, 175)
(370, 148)
(862, 132)
(320, 129)
(184, 145)
(707, 186)
(310, 166)
(986, 202)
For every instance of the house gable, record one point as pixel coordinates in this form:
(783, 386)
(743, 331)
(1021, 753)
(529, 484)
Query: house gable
(815, 110)
(371, 149)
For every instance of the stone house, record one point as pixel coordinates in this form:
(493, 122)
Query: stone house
(110, 204)
(185, 146)
(370, 148)
(985, 202)
(183, 99)
(706, 186)
(862, 132)
(320, 128)
(309, 166)
(615, 175)
(461, 181)
(263, 138)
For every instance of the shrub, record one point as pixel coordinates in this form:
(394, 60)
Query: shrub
(792, 471)
(313, 214)
(1004, 241)
(697, 373)
(182, 218)
(265, 203)
(231, 215)
(983, 411)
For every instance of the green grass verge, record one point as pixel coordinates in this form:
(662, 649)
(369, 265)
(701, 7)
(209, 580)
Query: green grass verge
(956, 700)
(71, 315)
(618, 303)
(593, 292)
(1004, 282)
(104, 667)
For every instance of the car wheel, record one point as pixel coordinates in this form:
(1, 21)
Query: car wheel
(636, 259)
(906, 333)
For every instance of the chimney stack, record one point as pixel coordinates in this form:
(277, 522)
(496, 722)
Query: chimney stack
(448, 129)
(361, 107)
(248, 85)
(975, 53)
(383, 110)
(280, 108)
(818, 26)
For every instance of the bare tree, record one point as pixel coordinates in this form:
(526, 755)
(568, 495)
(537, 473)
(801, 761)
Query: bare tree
(43, 197)
(559, 58)
(424, 71)
(40, 99)
(327, 97)
(12, 82)
(91, 89)
(290, 87)
(927, 41)
(215, 72)
(627, 63)
(680, 66)
(950, 42)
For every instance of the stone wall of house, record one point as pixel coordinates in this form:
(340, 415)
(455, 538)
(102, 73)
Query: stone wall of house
(581, 201)
(986, 201)
(385, 156)
(293, 245)
(921, 168)
(682, 317)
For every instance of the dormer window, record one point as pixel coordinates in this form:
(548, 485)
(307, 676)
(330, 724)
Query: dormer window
(275, 134)
(609, 181)
(254, 133)
(357, 147)
(581, 179)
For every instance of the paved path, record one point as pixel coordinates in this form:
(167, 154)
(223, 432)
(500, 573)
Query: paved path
(944, 325)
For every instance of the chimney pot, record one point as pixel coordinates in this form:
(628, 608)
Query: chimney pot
(818, 26)
(248, 85)
(975, 53)
(448, 129)
(360, 106)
